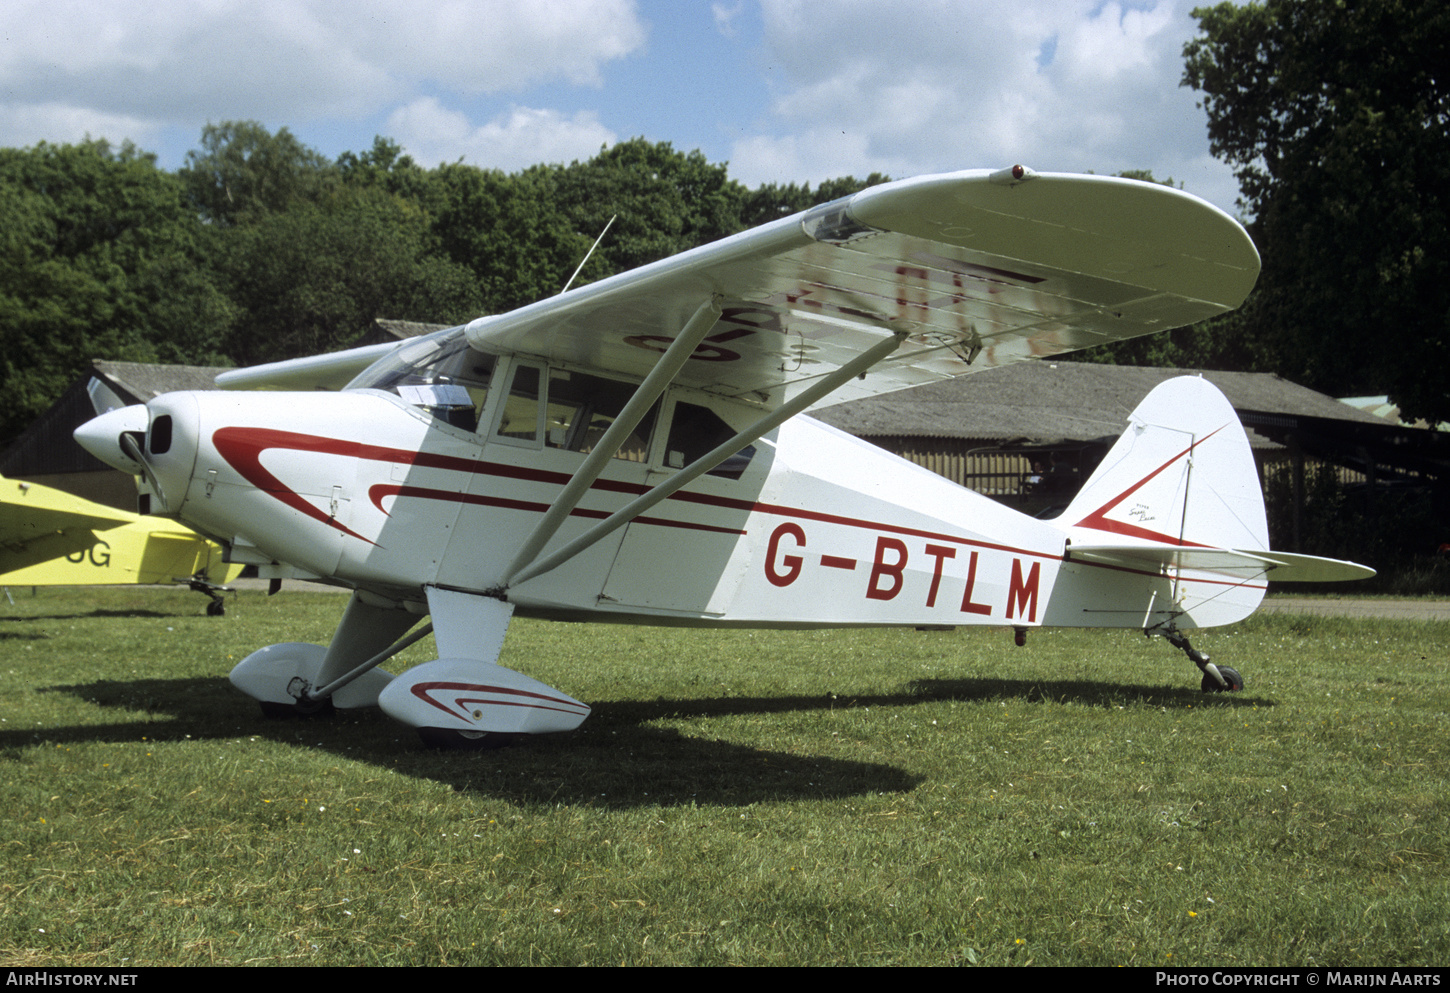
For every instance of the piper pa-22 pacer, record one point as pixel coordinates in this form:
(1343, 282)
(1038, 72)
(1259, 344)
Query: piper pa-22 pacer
(632, 450)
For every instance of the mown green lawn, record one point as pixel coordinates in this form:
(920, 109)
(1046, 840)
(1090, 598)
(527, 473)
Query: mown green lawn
(829, 797)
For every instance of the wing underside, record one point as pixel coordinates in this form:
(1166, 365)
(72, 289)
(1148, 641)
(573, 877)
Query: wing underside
(976, 269)
(972, 269)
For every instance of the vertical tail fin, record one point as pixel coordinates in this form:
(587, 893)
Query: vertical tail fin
(1165, 532)
(1169, 531)
(1182, 474)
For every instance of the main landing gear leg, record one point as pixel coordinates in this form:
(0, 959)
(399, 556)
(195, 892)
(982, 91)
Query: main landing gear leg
(1216, 678)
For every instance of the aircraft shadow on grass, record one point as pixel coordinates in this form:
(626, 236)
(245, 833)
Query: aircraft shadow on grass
(8, 633)
(132, 613)
(620, 744)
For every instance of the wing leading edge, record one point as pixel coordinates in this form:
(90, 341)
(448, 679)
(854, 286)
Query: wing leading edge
(979, 269)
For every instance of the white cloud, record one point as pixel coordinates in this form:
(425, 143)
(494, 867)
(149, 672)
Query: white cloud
(725, 18)
(26, 125)
(930, 85)
(1115, 43)
(183, 62)
(523, 137)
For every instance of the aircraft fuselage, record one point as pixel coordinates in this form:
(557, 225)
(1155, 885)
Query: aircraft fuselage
(367, 490)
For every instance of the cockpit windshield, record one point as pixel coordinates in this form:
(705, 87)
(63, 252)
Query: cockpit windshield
(438, 372)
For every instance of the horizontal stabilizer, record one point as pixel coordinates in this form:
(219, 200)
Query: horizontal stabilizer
(1284, 567)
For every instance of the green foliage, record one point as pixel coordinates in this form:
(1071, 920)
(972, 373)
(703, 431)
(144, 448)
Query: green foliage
(242, 172)
(1335, 118)
(509, 231)
(663, 201)
(99, 258)
(1394, 531)
(313, 278)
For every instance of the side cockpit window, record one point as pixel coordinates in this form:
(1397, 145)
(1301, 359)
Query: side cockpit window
(518, 423)
(439, 373)
(571, 415)
(582, 407)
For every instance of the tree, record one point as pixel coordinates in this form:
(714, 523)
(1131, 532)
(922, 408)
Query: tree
(386, 166)
(313, 278)
(663, 201)
(508, 230)
(99, 258)
(1336, 117)
(243, 172)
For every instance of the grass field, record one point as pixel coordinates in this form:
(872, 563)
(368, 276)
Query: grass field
(839, 797)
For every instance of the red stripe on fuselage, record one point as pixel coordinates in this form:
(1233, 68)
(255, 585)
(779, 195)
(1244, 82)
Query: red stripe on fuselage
(382, 491)
(242, 447)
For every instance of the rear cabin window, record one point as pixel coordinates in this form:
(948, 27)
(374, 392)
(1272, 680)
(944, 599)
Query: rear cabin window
(695, 431)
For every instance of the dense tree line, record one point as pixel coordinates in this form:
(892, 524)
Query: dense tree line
(259, 248)
(1336, 118)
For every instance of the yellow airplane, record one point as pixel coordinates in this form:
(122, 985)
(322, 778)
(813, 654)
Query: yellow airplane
(51, 538)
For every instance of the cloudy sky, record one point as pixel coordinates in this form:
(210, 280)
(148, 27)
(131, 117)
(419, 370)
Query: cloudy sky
(783, 90)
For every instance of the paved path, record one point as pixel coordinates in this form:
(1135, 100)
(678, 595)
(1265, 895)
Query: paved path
(1403, 610)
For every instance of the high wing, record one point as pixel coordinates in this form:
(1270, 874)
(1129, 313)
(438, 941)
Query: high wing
(975, 269)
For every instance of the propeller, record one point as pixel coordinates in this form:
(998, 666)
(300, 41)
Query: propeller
(133, 449)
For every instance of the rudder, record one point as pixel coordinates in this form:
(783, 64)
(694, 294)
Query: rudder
(1149, 534)
(1182, 474)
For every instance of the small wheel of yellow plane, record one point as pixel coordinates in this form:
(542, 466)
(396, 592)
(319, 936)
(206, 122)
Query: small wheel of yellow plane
(51, 538)
(637, 450)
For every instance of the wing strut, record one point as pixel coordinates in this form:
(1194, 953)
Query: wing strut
(654, 384)
(714, 457)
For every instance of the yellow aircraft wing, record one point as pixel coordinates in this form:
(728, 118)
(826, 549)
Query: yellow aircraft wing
(50, 538)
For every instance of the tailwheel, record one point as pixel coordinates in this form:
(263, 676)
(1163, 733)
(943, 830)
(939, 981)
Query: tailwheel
(1232, 682)
(1231, 676)
(217, 607)
(453, 740)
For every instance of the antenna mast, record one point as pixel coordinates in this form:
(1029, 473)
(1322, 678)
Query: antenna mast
(586, 256)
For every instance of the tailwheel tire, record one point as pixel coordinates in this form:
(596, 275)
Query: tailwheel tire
(1235, 681)
(216, 608)
(453, 740)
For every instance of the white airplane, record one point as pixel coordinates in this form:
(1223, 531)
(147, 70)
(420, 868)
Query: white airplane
(633, 451)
